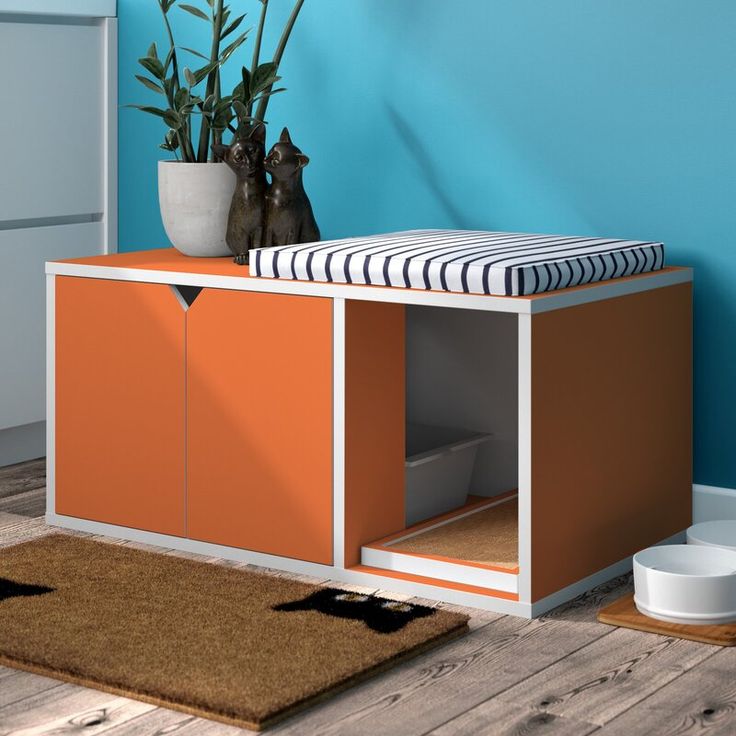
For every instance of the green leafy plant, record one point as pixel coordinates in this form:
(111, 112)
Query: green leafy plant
(182, 88)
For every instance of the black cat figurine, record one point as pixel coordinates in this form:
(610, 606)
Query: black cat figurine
(289, 216)
(247, 220)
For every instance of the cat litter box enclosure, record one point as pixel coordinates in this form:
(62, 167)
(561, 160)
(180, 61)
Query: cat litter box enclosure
(264, 420)
(439, 466)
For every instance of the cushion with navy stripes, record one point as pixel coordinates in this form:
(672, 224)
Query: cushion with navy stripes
(465, 261)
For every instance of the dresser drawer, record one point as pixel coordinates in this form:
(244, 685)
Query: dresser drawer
(23, 253)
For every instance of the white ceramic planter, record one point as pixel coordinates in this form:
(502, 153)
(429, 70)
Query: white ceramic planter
(195, 202)
(686, 584)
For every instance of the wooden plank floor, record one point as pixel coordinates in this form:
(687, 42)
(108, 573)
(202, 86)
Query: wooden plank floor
(564, 674)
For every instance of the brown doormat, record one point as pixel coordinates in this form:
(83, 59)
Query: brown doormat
(624, 612)
(240, 647)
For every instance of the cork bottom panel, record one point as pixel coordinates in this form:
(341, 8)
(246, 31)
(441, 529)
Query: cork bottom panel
(476, 545)
(486, 537)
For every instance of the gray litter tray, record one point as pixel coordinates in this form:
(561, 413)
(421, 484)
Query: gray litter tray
(439, 466)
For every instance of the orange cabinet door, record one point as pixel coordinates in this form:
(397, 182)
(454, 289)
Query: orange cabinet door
(120, 404)
(259, 422)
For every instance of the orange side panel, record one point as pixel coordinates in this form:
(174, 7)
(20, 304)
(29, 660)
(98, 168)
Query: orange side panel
(611, 432)
(119, 404)
(374, 423)
(259, 422)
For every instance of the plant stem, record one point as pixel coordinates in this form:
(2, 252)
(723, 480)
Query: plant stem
(174, 62)
(185, 143)
(217, 134)
(263, 104)
(257, 48)
(204, 131)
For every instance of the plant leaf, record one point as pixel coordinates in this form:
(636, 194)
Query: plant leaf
(240, 109)
(149, 83)
(153, 66)
(147, 108)
(189, 105)
(263, 77)
(171, 141)
(225, 55)
(222, 119)
(172, 119)
(263, 85)
(195, 11)
(169, 58)
(232, 26)
(196, 53)
(190, 77)
(242, 122)
(223, 104)
(152, 51)
(246, 83)
(268, 93)
(204, 72)
(181, 98)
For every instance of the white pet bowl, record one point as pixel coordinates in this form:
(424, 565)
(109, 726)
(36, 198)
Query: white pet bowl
(714, 534)
(686, 584)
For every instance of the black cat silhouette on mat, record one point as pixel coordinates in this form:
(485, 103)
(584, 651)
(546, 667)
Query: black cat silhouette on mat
(379, 614)
(247, 220)
(12, 589)
(289, 216)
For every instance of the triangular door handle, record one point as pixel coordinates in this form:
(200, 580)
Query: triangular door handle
(186, 294)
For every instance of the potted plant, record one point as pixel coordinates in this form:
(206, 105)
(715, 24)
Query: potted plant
(194, 191)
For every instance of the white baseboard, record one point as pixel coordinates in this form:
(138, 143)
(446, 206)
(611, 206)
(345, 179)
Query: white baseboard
(711, 503)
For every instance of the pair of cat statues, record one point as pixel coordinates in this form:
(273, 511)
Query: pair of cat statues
(264, 214)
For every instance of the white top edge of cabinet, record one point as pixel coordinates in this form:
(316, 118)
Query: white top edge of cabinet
(72, 8)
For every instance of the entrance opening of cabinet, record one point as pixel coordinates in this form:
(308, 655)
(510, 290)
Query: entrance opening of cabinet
(461, 467)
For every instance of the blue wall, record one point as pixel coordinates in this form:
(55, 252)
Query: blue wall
(613, 117)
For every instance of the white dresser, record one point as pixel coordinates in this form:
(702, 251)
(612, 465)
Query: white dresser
(58, 182)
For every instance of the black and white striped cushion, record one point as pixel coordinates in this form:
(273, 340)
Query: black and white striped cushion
(466, 261)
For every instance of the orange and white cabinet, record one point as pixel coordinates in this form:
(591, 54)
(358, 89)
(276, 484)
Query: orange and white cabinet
(196, 420)
(271, 422)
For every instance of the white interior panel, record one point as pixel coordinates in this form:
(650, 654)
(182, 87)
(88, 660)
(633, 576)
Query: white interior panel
(461, 371)
(386, 559)
(23, 254)
(52, 121)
